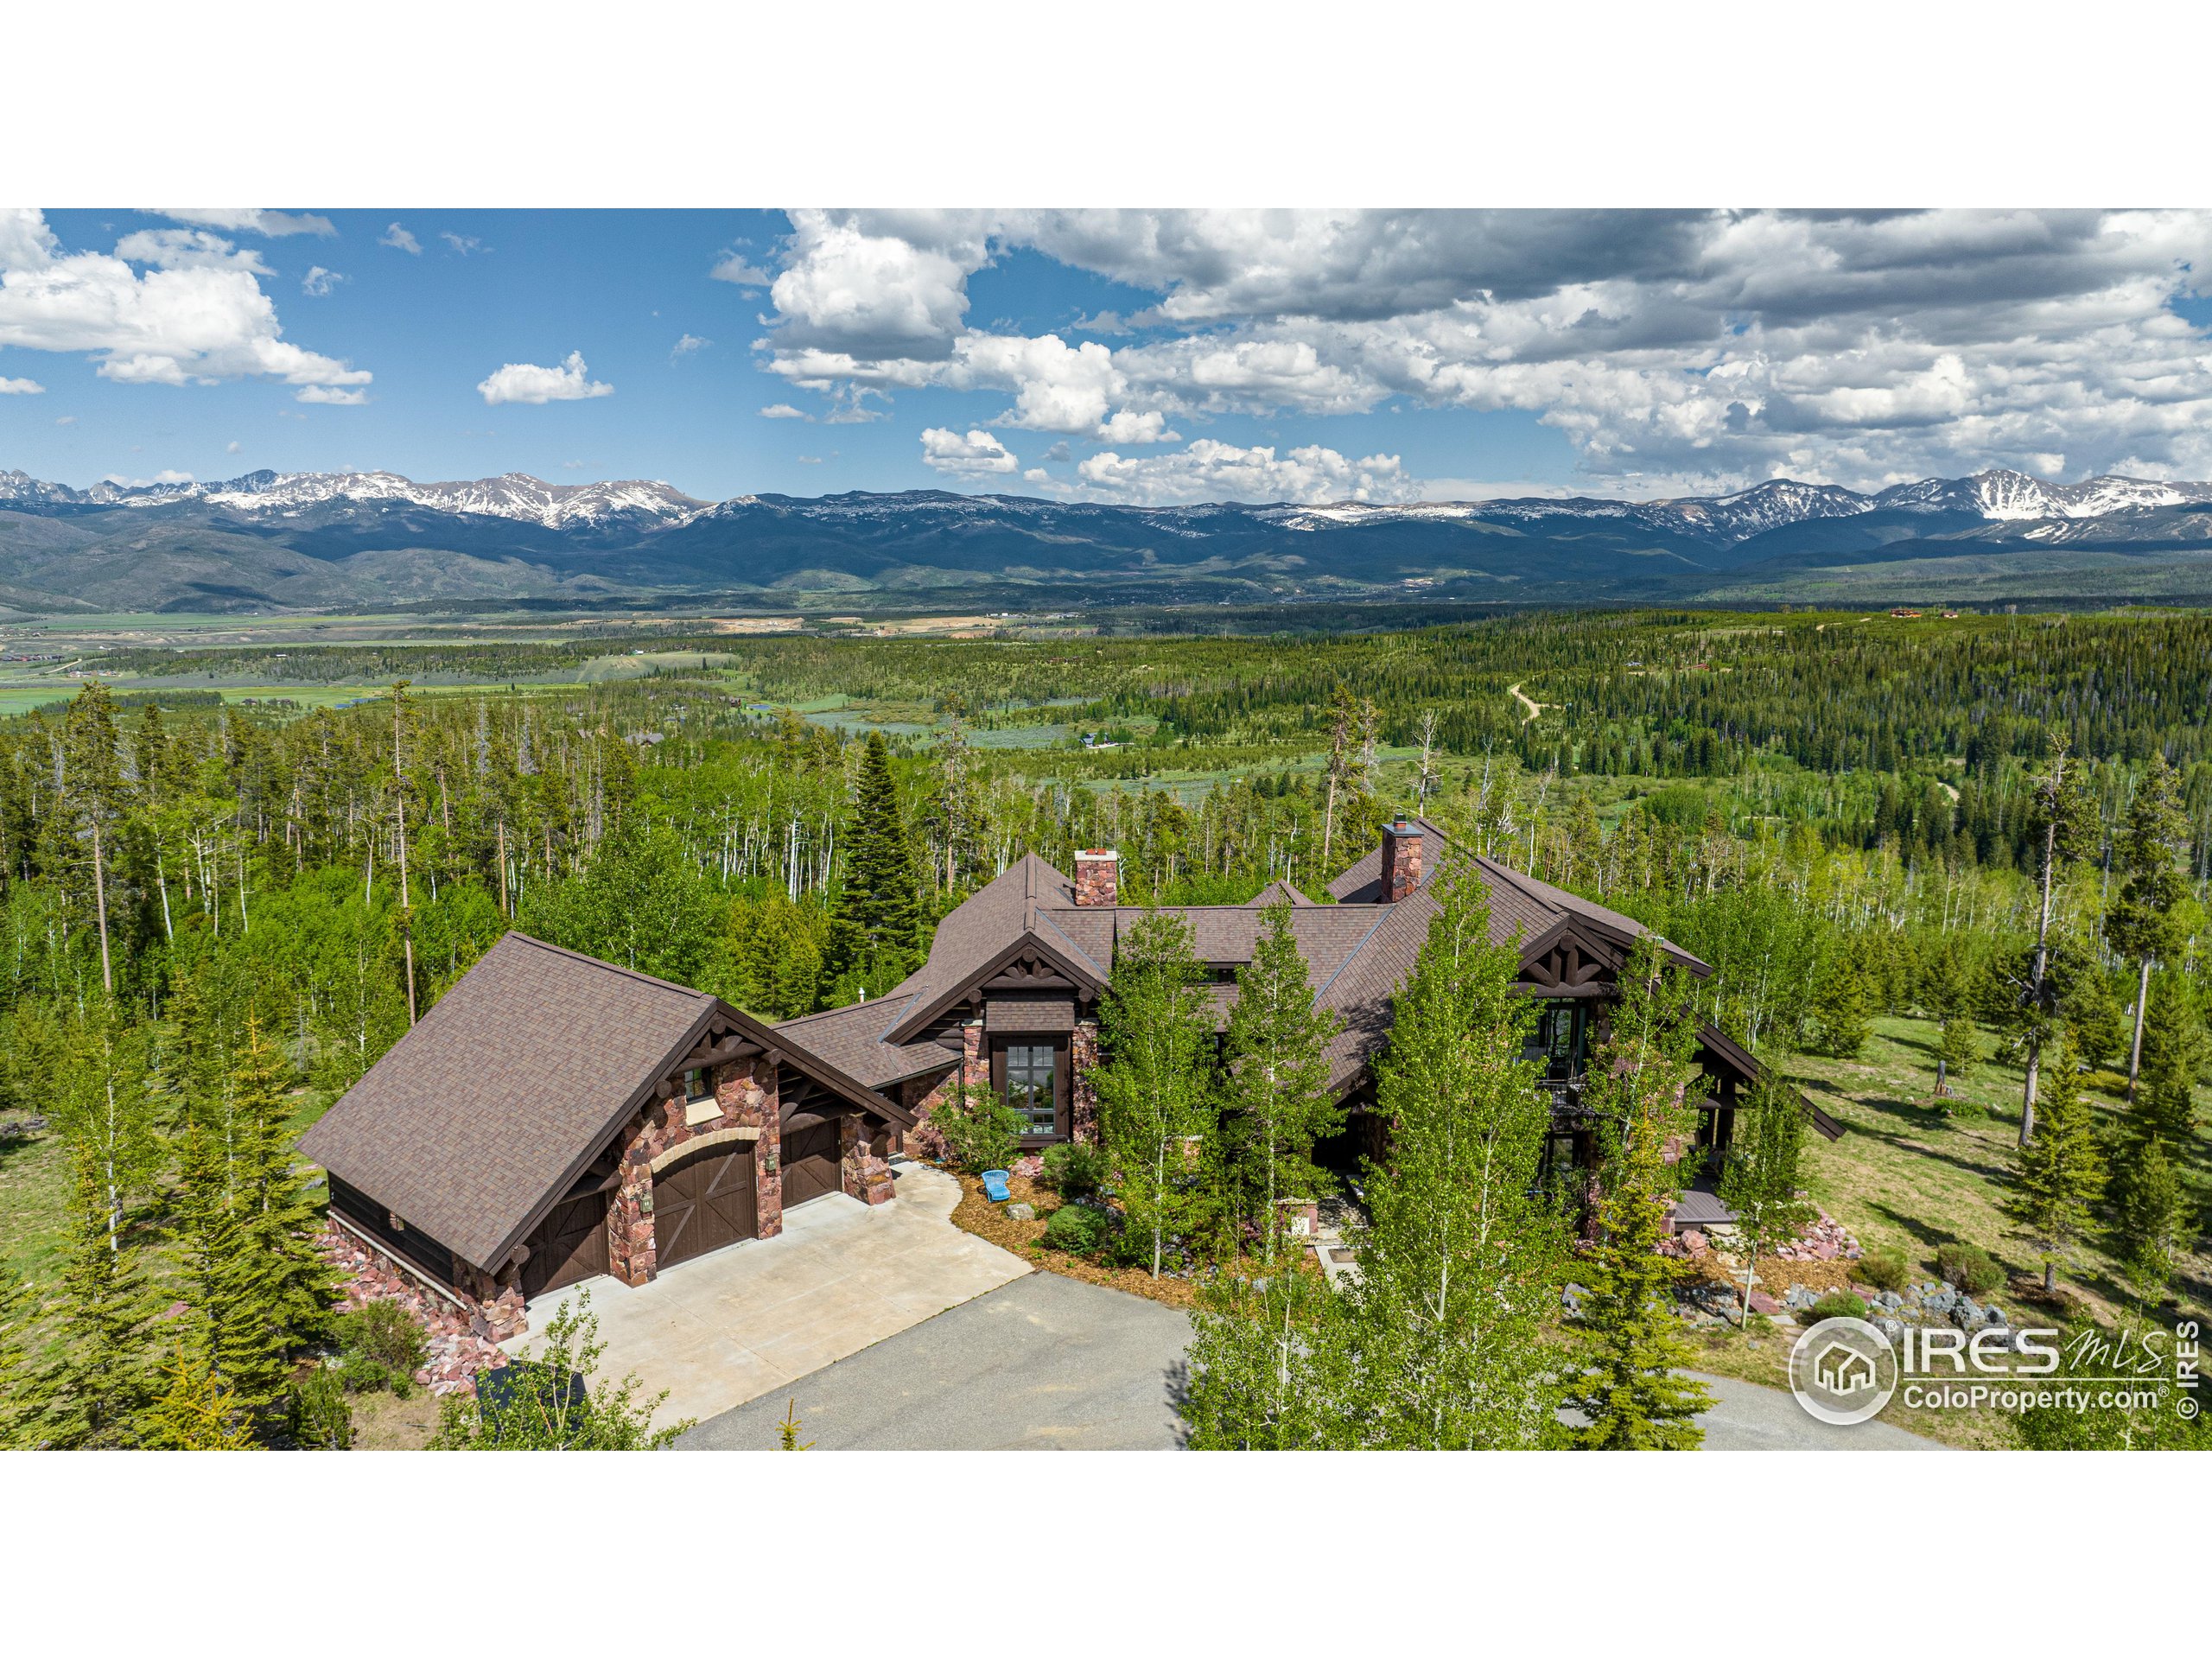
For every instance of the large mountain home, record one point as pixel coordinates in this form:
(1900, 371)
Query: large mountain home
(1009, 998)
(555, 1117)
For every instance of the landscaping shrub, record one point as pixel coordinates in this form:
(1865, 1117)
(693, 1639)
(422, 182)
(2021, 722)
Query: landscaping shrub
(319, 1419)
(379, 1346)
(980, 1131)
(1838, 1304)
(1886, 1269)
(1077, 1229)
(1970, 1267)
(1076, 1168)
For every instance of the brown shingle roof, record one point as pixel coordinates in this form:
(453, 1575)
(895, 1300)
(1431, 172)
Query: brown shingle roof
(851, 1039)
(504, 1091)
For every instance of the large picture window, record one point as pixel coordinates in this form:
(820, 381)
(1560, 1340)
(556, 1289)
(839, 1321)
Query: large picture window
(1559, 1043)
(1029, 1086)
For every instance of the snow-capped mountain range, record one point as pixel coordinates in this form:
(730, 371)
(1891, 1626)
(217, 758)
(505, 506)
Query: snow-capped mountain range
(270, 494)
(1993, 495)
(646, 506)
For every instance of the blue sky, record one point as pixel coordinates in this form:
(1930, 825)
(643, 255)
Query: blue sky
(1117, 356)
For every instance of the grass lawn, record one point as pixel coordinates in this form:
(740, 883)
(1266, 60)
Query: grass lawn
(1906, 1174)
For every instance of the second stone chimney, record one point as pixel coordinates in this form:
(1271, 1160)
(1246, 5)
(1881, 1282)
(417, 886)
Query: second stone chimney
(1401, 859)
(1098, 877)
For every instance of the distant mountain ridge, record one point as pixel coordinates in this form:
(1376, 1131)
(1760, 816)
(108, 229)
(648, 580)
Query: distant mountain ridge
(316, 540)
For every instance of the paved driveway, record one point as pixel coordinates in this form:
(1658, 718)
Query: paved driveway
(720, 1330)
(1052, 1363)
(1045, 1362)
(1748, 1418)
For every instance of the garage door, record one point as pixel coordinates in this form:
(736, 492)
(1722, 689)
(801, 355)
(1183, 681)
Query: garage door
(704, 1203)
(810, 1155)
(569, 1245)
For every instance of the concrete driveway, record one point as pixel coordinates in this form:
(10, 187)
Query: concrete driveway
(722, 1329)
(1045, 1362)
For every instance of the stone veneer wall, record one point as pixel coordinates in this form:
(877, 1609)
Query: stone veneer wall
(1083, 1102)
(864, 1175)
(920, 1097)
(460, 1342)
(745, 1091)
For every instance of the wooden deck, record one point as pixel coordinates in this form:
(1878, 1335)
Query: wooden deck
(1700, 1206)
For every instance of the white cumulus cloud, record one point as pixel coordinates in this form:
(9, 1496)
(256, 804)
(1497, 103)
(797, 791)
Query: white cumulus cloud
(784, 412)
(1211, 470)
(687, 345)
(1713, 348)
(979, 455)
(398, 235)
(19, 388)
(530, 382)
(195, 314)
(318, 281)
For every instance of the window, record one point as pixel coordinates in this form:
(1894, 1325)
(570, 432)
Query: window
(1029, 1087)
(1559, 1044)
(699, 1101)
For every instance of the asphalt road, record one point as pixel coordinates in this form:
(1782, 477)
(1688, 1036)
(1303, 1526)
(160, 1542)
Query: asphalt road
(1049, 1363)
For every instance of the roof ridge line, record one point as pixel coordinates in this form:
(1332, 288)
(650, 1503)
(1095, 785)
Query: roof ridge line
(601, 961)
(1352, 955)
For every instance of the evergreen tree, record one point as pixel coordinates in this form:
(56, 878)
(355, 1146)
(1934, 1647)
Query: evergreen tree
(2149, 1216)
(877, 933)
(105, 1377)
(25, 1387)
(1955, 1049)
(2060, 1171)
(2172, 1042)
(287, 1290)
(1154, 1094)
(199, 1412)
(2153, 1220)
(1759, 1182)
(1641, 1079)
(1276, 1083)
(1842, 1016)
(2144, 920)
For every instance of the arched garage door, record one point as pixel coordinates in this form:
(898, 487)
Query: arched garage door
(704, 1202)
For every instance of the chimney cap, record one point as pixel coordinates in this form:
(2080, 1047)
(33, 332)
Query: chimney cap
(1401, 825)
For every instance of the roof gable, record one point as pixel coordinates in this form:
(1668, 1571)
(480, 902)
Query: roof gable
(504, 1089)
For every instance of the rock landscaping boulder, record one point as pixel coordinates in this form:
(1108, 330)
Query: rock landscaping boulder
(1022, 1212)
(1763, 1303)
(1892, 1328)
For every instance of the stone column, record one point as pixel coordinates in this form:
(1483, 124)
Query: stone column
(1083, 1093)
(630, 1211)
(863, 1175)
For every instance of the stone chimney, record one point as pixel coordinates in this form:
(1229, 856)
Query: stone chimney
(1401, 859)
(1098, 877)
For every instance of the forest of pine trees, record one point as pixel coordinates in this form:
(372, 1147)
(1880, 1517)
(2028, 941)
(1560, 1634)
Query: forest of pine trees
(214, 918)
